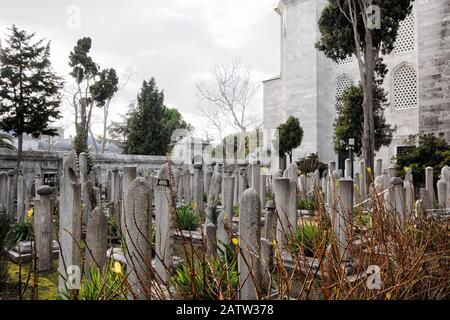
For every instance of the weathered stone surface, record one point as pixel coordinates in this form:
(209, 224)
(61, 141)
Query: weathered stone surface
(43, 228)
(442, 193)
(214, 196)
(96, 240)
(11, 196)
(86, 186)
(70, 217)
(225, 219)
(187, 185)
(429, 184)
(137, 234)
(21, 194)
(285, 227)
(198, 188)
(164, 223)
(249, 261)
(343, 218)
(378, 167)
(129, 175)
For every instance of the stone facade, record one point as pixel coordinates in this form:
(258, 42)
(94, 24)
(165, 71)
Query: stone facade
(417, 83)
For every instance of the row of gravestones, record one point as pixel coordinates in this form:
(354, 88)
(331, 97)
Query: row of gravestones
(135, 197)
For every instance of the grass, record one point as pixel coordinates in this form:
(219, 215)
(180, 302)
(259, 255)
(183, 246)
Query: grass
(47, 283)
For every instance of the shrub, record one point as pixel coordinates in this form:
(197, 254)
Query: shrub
(236, 210)
(306, 204)
(306, 238)
(431, 151)
(20, 232)
(187, 218)
(107, 285)
(310, 164)
(207, 279)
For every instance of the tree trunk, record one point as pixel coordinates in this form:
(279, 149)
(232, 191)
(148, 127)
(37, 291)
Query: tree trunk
(19, 149)
(369, 132)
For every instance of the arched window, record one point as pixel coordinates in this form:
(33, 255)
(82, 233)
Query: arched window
(343, 82)
(405, 88)
(344, 61)
(406, 35)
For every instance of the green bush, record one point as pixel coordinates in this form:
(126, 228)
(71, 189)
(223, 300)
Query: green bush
(361, 218)
(187, 218)
(216, 277)
(306, 204)
(20, 232)
(107, 285)
(431, 151)
(306, 238)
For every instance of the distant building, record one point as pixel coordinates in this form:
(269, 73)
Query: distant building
(418, 81)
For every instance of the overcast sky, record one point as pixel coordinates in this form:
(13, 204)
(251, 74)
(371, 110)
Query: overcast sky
(175, 41)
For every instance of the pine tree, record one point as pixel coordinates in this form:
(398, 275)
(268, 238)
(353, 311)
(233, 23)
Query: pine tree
(29, 89)
(149, 126)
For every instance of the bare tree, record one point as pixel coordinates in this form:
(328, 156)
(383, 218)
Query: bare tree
(226, 97)
(106, 109)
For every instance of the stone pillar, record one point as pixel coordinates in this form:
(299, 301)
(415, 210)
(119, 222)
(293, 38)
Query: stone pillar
(211, 238)
(249, 260)
(362, 180)
(242, 173)
(348, 169)
(378, 167)
(445, 173)
(198, 188)
(442, 193)
(138, 226)
(215, 190)
(429, 184)
(409, 198)
(207, 179)
(187, 186)
(116, 184)
(263, 189)
(3, 191)
(343, 219)
(180, 191)
(256, 176)
(270, 226)
(236, 187)
(43, 228)
(96, 240)
(225, 219)
(282, 193)
(11, 195)
(129, 175)
(70, 216)
(164, 222)
(397, 201)
(21, 192)
(38, 180)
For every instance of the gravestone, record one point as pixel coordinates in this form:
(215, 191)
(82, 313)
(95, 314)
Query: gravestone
(86, 186)
(129, 175)
(21, 193)
(3, 191)
(343, 220)
(164, 225)
(70, 217)
(96, 240)
(137, 233)
(282, 193)
(429, 184)
(38, 180)
(11, 195)
(442, 193)
(225, 219)
(249, 259)
(198, 188)
(187, 186)
(43, 228)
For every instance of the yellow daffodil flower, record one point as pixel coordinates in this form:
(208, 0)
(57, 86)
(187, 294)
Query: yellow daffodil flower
(30, 213)
(235, 241)
(117, 268)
